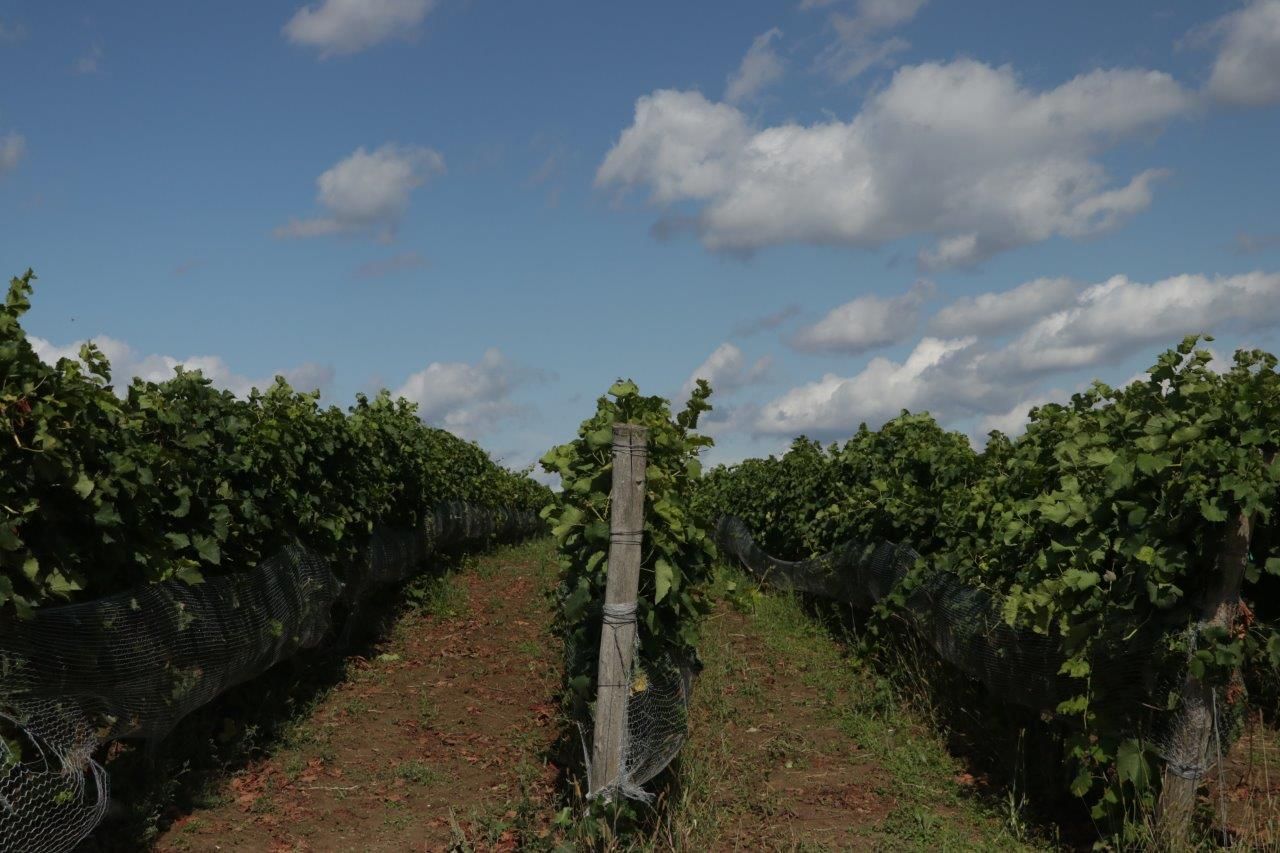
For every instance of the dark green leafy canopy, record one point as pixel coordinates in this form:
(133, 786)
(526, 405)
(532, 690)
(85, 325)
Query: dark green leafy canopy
(677, 550)
(100, 492)
(1109, 511)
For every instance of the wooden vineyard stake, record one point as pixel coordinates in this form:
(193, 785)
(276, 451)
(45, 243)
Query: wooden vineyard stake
(1191, 744)
(618, 625)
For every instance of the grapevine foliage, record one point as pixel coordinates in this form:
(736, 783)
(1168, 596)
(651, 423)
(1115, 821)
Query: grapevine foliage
(100, 492)
(1108, 511)
(677, 552)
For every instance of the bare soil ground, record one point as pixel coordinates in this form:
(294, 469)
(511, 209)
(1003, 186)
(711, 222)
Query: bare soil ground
(1247, 791)
(437, 729)
(442, 738)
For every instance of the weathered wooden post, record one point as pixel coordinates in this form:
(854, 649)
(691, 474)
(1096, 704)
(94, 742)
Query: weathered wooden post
(1191, 743)
(618, 625)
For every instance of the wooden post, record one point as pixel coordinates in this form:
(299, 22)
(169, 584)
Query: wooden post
(618, 625)
(1191, 742)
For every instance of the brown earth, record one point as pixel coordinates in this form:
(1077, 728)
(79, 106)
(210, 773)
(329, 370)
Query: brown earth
(439, 741)
(1247, 791)
(442, 726)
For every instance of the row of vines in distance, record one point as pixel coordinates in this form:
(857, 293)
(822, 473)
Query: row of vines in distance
(104, 487)
(1108, 510)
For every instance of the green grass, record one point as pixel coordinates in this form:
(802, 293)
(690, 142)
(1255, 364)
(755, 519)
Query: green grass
(932, 811)
(439, 596)
(418, 772)
(707, 796)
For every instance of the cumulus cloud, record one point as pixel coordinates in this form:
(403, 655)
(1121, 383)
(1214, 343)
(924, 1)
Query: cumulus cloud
(835, 405)
(339, 27)
(468, 399)
(993, 313)
(1120, 316)
(962, 151)
(126, 363)
(969, 376)
(12, 147)
(368, 192)
(727, 369)
(1014, 421)
(1246, 71)
(865, 323)
(760, 67)
(383, 267)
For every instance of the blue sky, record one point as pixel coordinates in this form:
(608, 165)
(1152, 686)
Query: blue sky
(833, 210)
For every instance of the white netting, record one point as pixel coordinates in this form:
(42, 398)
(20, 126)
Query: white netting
(52, 791)
(657, 719)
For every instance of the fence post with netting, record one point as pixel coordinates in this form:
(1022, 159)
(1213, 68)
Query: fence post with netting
(618, 625)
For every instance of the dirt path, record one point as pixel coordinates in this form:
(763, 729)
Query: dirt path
(436, 742)
(796, 747)
(437, 730)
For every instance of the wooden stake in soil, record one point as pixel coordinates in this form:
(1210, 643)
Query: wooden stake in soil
(1191, 742)
(622, 585)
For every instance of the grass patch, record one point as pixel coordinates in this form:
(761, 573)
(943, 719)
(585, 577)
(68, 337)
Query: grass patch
(439, 596)
(913, 775)
(418, 772)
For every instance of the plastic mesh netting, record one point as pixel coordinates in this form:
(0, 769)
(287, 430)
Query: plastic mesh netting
(657, 720)
(133, 664)
(962, 623)
(657, 717)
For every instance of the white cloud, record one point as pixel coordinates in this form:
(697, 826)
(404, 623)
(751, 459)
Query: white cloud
(468, 399)
(12, 147)
(339, 27)
(971, 376)
(126, 363)
(1014, 421)
(368, 191)
(727, 370)
(993, 313)
(874, 16)
(860, 44)
(1119, 316)
(760, 67)
(1246, 71)
(865, 323)
(836, 405)
(961, 151)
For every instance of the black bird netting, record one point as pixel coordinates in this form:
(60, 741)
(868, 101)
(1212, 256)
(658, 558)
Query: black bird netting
(133, 664)
(962, 623)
